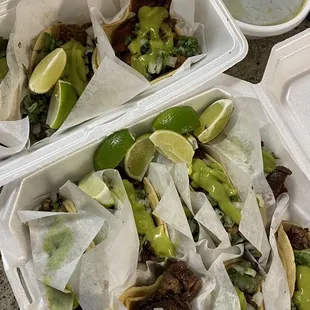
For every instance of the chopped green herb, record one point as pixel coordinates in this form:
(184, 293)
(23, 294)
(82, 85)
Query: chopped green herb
(187, 46)
(49, 42)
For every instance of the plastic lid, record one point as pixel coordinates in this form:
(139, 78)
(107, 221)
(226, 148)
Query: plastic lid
(285, 94)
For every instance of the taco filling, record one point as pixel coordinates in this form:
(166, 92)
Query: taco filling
(247, 281)
(3, 64)
(298, 242)
(54, 89)
(153, 232)
(148, 41)
(174, 289)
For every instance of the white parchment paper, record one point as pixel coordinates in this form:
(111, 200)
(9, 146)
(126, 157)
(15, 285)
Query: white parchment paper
(275, 287)
(110, 263)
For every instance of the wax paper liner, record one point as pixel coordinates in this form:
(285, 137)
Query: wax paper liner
(275, 287)
(111, 11)
(110, 263)
(105, 91)
(170, 208)
(224, 296)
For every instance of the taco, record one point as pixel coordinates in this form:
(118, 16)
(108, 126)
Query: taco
(294, 250)
(147, 39)
(174, 289)
(42, 105)
(153, 232)
(247, 281)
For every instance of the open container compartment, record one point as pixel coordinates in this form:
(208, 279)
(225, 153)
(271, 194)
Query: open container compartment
(226, 46)
(270, 100)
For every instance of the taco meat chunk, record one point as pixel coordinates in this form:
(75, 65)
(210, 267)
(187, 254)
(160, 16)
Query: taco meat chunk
(299, 237)
(148, 253)
(67, 32)
(276, 180)
(180, 286)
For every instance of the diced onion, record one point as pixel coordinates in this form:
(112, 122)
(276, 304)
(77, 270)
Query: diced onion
(143, 41)
(171, 61)
(36, 129)
(238, 205)
(152, 68)
(258, 299)
(250, 272)
(159, 65)
(131, 15)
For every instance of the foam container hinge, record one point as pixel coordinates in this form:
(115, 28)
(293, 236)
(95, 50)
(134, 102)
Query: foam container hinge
(274, 92)
(226, 46)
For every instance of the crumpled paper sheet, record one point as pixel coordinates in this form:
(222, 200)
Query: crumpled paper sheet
(170, 208)
(111, 11)
(224, 295)
(110, 87)
(111, 262)
(81, 227)
(275, 287)
(197, 202)
(145, 276)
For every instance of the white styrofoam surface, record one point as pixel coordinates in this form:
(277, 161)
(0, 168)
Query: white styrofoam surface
(79, 162)
(226, 46)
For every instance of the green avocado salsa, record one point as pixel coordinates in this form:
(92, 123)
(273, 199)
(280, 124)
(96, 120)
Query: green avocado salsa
(301, 296)
(215, 182)
(146, 227)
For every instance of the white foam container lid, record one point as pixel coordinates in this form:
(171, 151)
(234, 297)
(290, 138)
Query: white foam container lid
(226, 46)
(281, 98)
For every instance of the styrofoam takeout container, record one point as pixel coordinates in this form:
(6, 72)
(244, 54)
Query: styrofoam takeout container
(281, 98)
(226, 46)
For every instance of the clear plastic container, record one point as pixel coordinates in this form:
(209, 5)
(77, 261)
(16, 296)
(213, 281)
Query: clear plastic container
(281, 98)
(226, 46)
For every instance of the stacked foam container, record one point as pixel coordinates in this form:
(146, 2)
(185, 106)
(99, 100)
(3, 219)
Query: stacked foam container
(281, 98)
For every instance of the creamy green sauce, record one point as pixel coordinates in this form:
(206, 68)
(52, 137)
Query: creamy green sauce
(151, 22)
(57, 243)
(264, 12)
(217, 185)
(301, 296)
(158, 239)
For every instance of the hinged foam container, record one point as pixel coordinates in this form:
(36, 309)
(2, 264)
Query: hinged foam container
(281, 98)
(226, 46)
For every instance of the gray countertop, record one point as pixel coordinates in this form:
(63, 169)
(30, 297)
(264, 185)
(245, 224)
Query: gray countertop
(250, 69)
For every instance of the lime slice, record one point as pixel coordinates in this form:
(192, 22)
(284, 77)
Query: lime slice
(94, 186)
(113, 149)
(214, 119)
(62, 102)
(138, 157)
(173, 145)
(179, 119)
(48, 71)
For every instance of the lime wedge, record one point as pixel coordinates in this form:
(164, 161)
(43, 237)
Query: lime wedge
(214, 119)
(94, 186)
(113, 149)
(173, 145)
(138, 157)
(62, 102)
(48, 71)
(179, 119)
